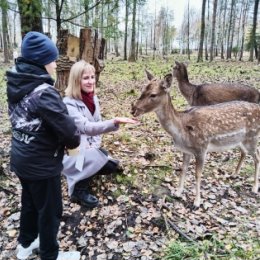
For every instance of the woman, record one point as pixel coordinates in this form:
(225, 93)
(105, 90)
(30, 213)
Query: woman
(89, 158)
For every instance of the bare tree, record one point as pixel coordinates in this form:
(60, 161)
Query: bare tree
(188, 31)
(224, 30)
(202, 31)
(245, 12)
(132, 57)
(215, 4)
(230, 29)
(126, 28)
(4, 6)
(207, 28)
(87, 16)
(253, 45)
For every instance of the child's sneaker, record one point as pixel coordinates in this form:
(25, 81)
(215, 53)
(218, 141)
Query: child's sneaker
(71, 255)
(24, 253)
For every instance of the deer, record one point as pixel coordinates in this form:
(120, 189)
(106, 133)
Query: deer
(202, 129)
(212, 93)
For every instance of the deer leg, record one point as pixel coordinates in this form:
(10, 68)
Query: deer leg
(185, 164)
(198, 171)
(242, 157)
(256, 157)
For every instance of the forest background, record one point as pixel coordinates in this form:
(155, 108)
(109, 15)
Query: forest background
(139, 218)
(219, 29)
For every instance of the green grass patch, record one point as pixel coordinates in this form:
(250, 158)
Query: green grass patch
(214, 249)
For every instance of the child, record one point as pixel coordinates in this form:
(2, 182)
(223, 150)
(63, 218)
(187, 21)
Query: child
(41, 128)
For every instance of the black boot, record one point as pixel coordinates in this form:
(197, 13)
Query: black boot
(84, 198)
(112, 166)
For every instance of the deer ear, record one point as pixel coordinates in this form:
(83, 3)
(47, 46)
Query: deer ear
(167, 81)
(149, 75)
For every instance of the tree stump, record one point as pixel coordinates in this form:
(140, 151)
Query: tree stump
(91, 49)
(88, 47)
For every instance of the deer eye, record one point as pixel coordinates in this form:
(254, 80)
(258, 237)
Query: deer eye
(153, 95)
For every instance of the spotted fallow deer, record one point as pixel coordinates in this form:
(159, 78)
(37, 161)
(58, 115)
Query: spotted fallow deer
(212, 93)
(203, 129)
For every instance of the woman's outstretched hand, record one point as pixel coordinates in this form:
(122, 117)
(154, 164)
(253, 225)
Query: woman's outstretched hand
(125, 120)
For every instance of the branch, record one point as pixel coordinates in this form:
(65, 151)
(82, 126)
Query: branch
(177, 229)
(78, 15)
(156, 166)
(67, 19)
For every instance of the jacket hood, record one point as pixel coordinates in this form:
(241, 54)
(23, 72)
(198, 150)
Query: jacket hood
(23, 78)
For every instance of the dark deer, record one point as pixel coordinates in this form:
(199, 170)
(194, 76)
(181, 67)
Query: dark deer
(214, 93)
(203, 129)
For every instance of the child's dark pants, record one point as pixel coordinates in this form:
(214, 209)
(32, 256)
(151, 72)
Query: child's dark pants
(40, 214)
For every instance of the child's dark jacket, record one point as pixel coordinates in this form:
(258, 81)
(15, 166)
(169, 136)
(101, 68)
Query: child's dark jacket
(41, 126)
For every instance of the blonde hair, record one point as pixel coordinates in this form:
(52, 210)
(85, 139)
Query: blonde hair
(73, 89)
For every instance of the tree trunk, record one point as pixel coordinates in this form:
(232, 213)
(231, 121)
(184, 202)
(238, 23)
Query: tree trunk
(126, 28)
(154, 33)
(88, 47)
(233, 29)
(131, 57)
(258, 60)
(63, 63)
(116, 38)
(202, 31)
(137, 36)
(212, 45)
(223, 30)
(207, 35)
(14, 30)
(87, 17)
(4, 6)
(188, 31)
(238, 30)
(230, 29)
(253, 45)
(58, 16)
(30, 15)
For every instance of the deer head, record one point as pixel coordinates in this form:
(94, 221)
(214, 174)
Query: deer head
(180, 71)
(152, 94)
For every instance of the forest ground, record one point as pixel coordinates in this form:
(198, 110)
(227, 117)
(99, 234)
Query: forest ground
(138, 216)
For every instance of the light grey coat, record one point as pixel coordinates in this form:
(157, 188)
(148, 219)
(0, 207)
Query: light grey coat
(88, 159)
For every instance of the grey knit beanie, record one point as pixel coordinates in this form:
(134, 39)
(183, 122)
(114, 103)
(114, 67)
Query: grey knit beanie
(38, 48)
